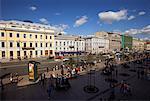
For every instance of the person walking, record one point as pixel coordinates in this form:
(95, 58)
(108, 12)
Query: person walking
(49, 90)
(43, 79)
(11, 78)
(47, 69)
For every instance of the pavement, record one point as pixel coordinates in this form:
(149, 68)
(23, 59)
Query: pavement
(140, 87)
(24, 79)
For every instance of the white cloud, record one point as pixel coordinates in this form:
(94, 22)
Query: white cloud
(81, 21)
(131, 17)
(142, 13)
(144, 30)
(57, 13)
(111, 16)
(60, 27)
(44, 21)
(33, 8)
(117, 31)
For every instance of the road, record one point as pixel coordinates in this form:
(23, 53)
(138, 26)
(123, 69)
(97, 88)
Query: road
(22, 68)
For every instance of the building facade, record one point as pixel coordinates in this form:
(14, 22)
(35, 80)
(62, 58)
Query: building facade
(21, 40)
(96, 45)
(147, 45)
(114, 40)
(138, 45)
(69, 45)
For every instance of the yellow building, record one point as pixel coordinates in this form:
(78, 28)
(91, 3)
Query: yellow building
(21, 40)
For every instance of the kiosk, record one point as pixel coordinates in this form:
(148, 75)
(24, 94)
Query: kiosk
(32, 70)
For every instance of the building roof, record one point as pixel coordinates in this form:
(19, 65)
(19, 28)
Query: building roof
(26, 26)
(67, 37)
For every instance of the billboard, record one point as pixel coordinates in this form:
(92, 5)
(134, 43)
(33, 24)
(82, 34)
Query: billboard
(32, 71)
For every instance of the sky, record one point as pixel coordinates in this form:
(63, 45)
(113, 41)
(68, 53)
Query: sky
(83, 17)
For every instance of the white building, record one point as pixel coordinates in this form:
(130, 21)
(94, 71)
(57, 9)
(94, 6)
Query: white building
(96, 45)
(69, 45)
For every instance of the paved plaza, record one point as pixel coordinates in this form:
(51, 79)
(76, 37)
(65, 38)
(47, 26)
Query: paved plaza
(139, 87)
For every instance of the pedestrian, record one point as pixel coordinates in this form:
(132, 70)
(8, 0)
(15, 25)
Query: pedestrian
(122, 86)
(17, 77)
(41, 76)
(47, 69)
(43, 79)
(49, 90)
(11, 78)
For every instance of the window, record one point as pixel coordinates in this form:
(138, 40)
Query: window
(17, 35)
(36, 44)
(3, 44)
(24, 35)
(36, 36)
(18, 53)
(46, 44)
(56, 48)
(25, 53)
(50, 37)
(11, 44)
(18, 44)
(30, 36)
(41, 52)
(3, 54)
(56, 43)
(30, 44)
(11, 54)
(24, 44)
(41, 36)
(10, 34)
(46, 36)
(36, 53)
(50, 44)
(60, 43)
(64, 43)
(2, 34)
(41, 44)
(51, 51)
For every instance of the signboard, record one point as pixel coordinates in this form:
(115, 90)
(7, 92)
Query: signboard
(31, 71)
(28, 48)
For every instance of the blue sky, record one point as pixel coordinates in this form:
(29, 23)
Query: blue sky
(83, 16)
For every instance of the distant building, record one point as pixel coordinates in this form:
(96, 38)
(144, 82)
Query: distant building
(96, 45)
(126, 42)
(69, 45)
(147, 45)
(114, 40)
(21, 40)
(138, 45)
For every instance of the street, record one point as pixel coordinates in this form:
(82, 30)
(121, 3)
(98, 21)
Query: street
(140, 87)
